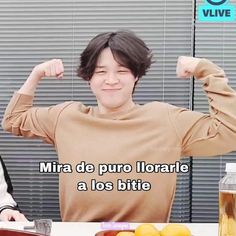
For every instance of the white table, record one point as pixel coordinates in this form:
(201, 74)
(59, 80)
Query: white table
(90, 229)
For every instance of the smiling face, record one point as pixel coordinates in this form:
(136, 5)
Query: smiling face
(112, 84)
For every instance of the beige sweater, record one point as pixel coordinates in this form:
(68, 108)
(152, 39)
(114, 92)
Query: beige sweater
(156, 133)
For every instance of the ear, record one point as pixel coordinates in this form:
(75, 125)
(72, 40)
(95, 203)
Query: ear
(136, 79)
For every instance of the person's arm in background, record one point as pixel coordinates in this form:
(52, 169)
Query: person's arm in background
(206, 134)
(9, 210)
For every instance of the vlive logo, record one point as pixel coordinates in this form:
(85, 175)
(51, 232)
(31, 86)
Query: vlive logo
(216, 11)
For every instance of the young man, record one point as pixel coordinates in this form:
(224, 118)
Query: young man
(118, 131)
(9, 211)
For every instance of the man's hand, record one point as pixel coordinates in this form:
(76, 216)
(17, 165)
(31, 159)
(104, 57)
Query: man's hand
(12, 215)
(52, 68)
(186, 66)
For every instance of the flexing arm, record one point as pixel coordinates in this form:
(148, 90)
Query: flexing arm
(52, 68)
(21, 118)
(206, 134)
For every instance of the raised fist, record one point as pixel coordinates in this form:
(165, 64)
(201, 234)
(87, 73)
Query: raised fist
(52, 68)
(186, 66)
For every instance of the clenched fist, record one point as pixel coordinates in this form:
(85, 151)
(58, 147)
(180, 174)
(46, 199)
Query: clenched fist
(52, 68)
(186, 66)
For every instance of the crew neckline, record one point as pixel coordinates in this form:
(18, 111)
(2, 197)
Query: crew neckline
(113, 115)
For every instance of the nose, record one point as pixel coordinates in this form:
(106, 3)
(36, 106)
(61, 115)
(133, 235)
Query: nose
(111, 79)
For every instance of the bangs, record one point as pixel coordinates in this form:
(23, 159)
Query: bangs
(121, 58)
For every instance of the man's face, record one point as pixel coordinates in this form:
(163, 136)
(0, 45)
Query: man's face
(112, 84)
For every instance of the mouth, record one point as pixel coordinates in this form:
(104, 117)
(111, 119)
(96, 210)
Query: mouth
(111, 90)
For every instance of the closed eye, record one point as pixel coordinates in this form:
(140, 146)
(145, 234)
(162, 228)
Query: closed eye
(100, 72)
(123, 71)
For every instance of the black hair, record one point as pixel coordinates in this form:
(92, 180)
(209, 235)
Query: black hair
(128, 50)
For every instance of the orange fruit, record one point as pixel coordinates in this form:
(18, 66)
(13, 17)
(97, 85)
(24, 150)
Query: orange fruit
(175, 230)
(146, 230)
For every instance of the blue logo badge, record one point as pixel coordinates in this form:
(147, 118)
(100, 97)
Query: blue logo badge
(216, 11)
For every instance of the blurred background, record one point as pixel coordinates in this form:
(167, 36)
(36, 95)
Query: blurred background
(34, 31)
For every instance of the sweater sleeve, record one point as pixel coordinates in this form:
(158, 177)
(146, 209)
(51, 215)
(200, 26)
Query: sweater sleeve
(208, 134)
(21, 118)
